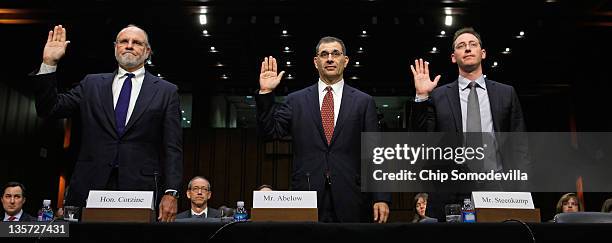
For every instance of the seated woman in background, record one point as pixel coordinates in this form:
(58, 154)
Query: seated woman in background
(420, 206)
(569, 203)
(607, 206)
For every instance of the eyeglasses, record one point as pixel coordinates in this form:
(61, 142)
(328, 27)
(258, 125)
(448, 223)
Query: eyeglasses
(125, 42)
(334, 53)
(197, 189)
(463, 45)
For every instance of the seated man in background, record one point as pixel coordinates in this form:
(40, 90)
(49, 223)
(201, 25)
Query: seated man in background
(13, 198)
(198, 191)
(265, 187)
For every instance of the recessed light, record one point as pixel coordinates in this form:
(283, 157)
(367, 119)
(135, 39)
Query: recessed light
(448, 21)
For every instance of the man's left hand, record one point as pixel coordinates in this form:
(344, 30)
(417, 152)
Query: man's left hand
(381, 212)
(167, 209)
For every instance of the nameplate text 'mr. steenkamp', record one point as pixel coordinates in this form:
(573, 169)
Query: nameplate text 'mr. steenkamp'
(514, 200)
(284, 199)
(120, 199)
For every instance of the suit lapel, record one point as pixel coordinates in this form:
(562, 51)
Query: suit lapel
(452, 94)
(313, 100)
(346, 106)
(147, 92)
(107, 102)
(494, 103)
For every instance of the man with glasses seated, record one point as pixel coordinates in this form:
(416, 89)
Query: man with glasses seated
(198, 191)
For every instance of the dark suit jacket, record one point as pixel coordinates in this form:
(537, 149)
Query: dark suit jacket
(151, 143)
(212, 213)
(300, 117)
(442, 113)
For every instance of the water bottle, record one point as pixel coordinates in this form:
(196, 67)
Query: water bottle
(241, 213)
(468, 214)
(45, 213)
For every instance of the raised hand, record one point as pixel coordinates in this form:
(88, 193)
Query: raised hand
(56, 46)
(422, 82)
(268, 77)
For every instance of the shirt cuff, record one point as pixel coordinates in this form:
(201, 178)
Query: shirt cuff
(45, 69)
(419, 99)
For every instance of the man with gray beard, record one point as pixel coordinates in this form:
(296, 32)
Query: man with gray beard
(131, 122)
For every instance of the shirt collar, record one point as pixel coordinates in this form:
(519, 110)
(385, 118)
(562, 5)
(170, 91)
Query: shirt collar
(464, 82)
(138, 74)
(17, 216)
(337, 87)
(203, 211)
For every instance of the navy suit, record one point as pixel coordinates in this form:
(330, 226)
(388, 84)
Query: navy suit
(151, 143)
(442, 113)
(300, 117)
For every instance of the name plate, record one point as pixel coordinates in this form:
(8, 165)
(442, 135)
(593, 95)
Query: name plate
(284, 199)
(514, 200)
(120, 199)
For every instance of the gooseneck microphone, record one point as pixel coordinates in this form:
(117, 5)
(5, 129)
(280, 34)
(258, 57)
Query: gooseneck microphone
(308, 179)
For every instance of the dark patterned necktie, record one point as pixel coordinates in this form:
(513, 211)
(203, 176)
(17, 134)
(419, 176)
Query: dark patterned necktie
(123, 103)
(327, 114)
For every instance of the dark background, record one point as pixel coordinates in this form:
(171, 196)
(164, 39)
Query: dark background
(559, 69)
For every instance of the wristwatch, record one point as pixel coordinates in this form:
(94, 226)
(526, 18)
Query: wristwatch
(173, 193)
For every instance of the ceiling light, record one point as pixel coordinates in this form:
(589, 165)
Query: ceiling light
(448, 21)
(203, 19)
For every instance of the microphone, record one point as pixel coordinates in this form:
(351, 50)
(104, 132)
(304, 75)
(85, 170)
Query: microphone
(155, 175)
(308, 179)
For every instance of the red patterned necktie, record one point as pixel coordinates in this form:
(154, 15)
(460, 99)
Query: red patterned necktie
(12, 218)
(327, 114)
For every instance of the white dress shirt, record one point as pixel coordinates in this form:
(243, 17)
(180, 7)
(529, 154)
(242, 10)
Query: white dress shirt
(483, 100)
(136, 85)
(336, 91)
(198, 214)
